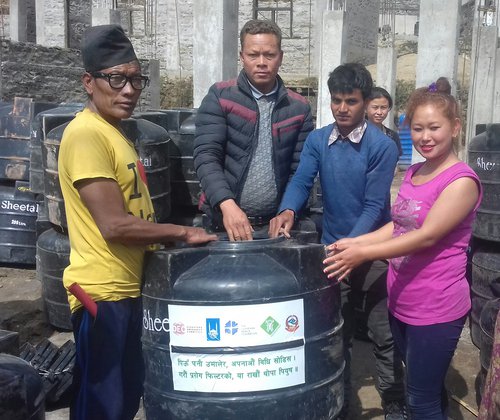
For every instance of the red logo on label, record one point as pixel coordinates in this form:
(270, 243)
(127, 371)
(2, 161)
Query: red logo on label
(142, 172)
(179, 328)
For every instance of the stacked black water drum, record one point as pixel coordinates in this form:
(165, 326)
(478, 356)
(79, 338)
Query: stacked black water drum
(52, 247)
(18, 203)
(186, 190)
(152, 144)
(484, 158)
(243, 330)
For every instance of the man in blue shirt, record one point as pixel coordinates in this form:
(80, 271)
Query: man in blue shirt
(356, 163)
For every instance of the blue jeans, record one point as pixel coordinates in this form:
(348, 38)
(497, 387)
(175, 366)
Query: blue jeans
(109, 369)
(427, 352)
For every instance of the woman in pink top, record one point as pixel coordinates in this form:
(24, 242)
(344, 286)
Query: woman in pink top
(428, 294)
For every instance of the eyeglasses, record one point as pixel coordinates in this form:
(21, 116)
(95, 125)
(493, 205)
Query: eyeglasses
(118, 81)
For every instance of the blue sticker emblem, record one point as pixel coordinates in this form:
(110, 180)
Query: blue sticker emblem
(231, 327)
(213, 329)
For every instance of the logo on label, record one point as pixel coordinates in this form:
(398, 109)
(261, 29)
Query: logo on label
(270, 325)
(231, 327)
(292, 323)
(213, 329)
(178, 328)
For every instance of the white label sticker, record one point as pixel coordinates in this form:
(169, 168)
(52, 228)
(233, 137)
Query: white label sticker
(236, 325)
(238, 372)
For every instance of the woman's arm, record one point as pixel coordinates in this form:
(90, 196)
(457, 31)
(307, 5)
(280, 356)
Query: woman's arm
(453, 205)
(380, 235)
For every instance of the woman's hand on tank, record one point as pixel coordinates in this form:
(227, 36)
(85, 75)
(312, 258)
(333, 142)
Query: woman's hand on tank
(282, 224)
(339, 264)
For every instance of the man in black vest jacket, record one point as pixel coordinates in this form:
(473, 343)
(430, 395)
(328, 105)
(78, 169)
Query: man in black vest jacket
(249, 135)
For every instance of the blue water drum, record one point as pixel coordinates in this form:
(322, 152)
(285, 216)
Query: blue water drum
(484, 158)
(406, 143)
(242, 330)
(18, 214)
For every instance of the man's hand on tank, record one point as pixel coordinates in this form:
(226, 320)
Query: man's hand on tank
(196, 236)
(235, 221)
(282, 224)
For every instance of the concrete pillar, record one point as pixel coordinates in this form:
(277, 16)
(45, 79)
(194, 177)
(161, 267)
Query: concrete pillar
(319, 7)
(155, 83)
(170, 24)
(332, 53)
(362, 29)
(483, 75)
(18, 20)
(215, 44)
(386, 71)
(105, 16)
(437, 44)
(438, 41)
(51, 19)
(484, 90)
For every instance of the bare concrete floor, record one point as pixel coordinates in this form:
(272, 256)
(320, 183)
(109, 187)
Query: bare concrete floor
(21, 310)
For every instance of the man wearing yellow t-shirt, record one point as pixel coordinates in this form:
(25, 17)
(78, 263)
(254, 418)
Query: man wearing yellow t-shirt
(110, 223)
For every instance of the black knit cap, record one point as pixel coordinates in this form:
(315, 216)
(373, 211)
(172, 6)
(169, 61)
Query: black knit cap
(105, 46)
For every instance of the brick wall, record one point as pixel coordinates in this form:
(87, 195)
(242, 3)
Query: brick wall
(47, 74)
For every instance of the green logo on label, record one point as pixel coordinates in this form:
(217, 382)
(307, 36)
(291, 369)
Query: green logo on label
(270, 325)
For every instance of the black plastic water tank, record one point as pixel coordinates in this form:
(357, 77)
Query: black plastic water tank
(484, 158)
(53, 250)
(42, 218)
(14, 159)
(152, 143)
(485, 276)
(42, 124)
(487, 324)
(21, 390)
(52, 189)
(478, 300)
(176, 117)
(185, 184)
(247, 330)
(155, 116)
(486, 269)
(18, 213)
(15, 129)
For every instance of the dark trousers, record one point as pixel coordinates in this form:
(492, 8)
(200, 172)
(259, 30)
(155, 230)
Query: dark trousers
(366, 290)
(109, 369)
(427, 352)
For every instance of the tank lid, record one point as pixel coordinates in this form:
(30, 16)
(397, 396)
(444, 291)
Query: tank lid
(259, 241)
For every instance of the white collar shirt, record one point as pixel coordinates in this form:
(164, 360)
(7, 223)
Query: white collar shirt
(354, 136)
